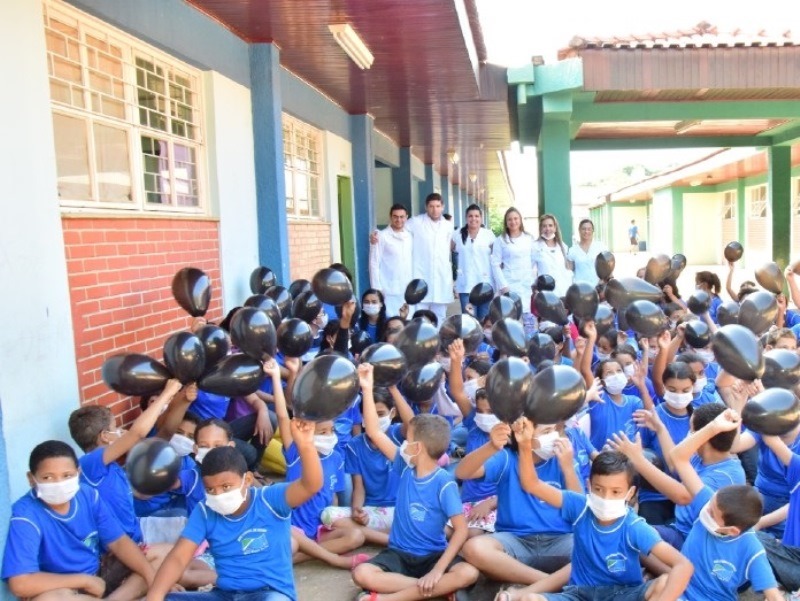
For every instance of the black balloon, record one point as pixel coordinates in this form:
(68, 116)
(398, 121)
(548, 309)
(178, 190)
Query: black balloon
(517, 301)
(298, 286)
(603, 319)
(508, 385)
(419, 342)
(360, 341)
(356, 310)
(216, 344)
(758, 311)
(622, 292)
(282, 298)
(658, 269)
(481, 294)
(646, 318)
(558, 392)
(678, 264)
(306, 306)
(421, 383)
(152, 466)
(699, 302)
(774, 412)
(582, 300)
(267, 305)
(462, 326)
(261, 279)
(656, 460)
(604, 264)
(549, 307)
(192, 289)
(253, 332)
(235, 375)
(545, 282)
(541, 347)
(325, 388)
(416, 291)
(738, 352)
(332, 286)
(728, 313)
(770, 276)
(134, 374)
(185, 356)
(698, 334)
(508, 336)
(504, 306)
(781, 369)
(388, 363)
(733, 252)
(294, 337)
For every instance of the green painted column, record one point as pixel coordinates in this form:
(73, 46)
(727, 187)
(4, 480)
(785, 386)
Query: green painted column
(741, 207)
(677, 221)
(780, 199)
(555, 195)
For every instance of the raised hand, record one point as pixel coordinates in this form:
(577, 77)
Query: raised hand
(500, 435)
(630, 448)
(456, 351)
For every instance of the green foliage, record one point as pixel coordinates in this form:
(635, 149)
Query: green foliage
(496, 214)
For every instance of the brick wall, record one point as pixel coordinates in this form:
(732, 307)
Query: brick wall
(120, 274)
(309, 248)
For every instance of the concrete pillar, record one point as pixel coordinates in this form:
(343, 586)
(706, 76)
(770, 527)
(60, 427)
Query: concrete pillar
(555, 195)
(426, 187)
(402, 180)
(447, 193)
(361, 128)
(779, 180)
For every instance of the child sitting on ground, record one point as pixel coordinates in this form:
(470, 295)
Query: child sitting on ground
(57, 531)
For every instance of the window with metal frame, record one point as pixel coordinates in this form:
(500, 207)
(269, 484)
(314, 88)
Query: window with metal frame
(302, 164)
(758, 201)
(729, 205)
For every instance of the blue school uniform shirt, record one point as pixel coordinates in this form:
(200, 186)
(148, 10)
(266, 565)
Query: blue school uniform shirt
(631, 390)
(714, 307)
(791, 536)
(307, 515)
(608, 418)
(583, 450)
(519, 512)
(712, 370)
(251, 551)
(191, 487)
(771, 479)
(364, 459)
(708, 395)
(678, 427)
(423, 507)
(112, 484)
(209, 405)
(606, 555)
(41, 540)
(343, 425)
(476, 490)
(792, 318)
(723, 564)
(714, 476)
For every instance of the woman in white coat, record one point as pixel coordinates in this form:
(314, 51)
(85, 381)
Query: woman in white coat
(473, 246)
(551, 254)
(512, 259)
(582, 255)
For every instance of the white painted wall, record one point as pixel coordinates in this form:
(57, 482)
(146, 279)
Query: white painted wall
(661, 222)
(702, 228)
(231, 182)
(383, 194)
(338, 157)
(38, 378)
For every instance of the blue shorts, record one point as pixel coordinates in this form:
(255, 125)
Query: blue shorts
(633, 592)
(545, 552)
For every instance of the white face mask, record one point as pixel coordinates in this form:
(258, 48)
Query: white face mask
(486, 421)
(550, 236)
(325, 443)
(699, 385)
(678, 400)
(445, 363)
(58, 493)
(183, 445)
(547, 445)
(652, 353)
(470, 388)
(201, 453)
(615, 383)
(629, 370)
(322, 320)
(603, 356)
(227, 502)
(384, 422)
(709, 523)
(607, 509)
(407, 457)
(487, 334)
(371, 309)
(706, 355)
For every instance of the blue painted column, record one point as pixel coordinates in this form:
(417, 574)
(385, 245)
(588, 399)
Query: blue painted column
(447, 193)
(265, 91)
(361, 128)
(402, 180)
(427, 186)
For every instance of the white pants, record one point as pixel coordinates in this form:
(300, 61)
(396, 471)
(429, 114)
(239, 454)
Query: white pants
(439, 309)
(393, 304)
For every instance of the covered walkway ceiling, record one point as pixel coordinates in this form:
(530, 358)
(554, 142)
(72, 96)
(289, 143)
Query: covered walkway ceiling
(429, 87)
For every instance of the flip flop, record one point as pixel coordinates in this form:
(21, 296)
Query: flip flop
(357, 560)
(367, 596)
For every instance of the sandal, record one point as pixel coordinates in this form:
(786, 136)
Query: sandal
(357, 560)
(367, 596)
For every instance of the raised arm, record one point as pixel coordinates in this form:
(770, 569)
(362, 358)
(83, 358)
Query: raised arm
(177, 410)
(640, 380)
(471, 466)
(370, 414)
(777, 446)
(456, 377)
(729, 283)
(375, 252)
(794, 289)
(281, 412)
(404, 410)
(528, 478)
(300, 491)
(585, 366)
(660, 364)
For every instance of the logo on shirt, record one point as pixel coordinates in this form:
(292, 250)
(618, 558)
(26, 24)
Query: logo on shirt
(630, 429)
(615, 563)
(92, 541)
(334, 480)
(723, 570)
(253, 541)
(417, 511)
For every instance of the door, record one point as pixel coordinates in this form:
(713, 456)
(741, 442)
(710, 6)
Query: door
(347, 233)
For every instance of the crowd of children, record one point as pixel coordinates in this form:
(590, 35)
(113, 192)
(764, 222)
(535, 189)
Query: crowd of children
(653, 490)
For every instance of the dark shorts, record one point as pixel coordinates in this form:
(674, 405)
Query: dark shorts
(635, 592)
(113, 572)
(413, 566)
(671, 535)
(634, 240)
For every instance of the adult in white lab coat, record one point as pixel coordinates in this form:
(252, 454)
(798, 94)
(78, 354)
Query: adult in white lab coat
(473, 247)
(551, 254)
(391, 260)
(432, 234)
(513, 259)
(582, 255)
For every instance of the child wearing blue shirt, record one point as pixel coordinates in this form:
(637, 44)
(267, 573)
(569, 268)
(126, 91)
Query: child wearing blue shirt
(419, 562)
(248, 529)
(57, 532)
(609, 536)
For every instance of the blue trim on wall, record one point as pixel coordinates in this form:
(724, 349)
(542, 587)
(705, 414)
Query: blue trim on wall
(402, 180)
(309, 105)
(361, 134)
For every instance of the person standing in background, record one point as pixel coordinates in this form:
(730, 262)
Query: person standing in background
(473, 247)
(391, 260)
(582, 255)
(550, 254)
(633, 236)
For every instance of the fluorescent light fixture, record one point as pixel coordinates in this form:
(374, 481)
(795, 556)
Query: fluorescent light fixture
(473, 177)
(453, 157)
(681, 127)
(353, 45)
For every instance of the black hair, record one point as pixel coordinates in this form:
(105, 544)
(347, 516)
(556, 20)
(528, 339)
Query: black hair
(741, 506)
(745, 290)
(383, 396)
(49, 449)
(704, 415)
(223, 459)
(710, 279)
(612, 336)
(385, 333)
(342, 268)
(331, 329)
(427, 314)
(225, 324)
(433, 432)
(87, 423)
(613, 462)
(481, 367)
(678, 370)
(556, 333)
(398, 207)
(192, 418)
(214, 421)
(465, 230)
(583, 221)
(433, 196)
(624, 349)
(481, 394)
(598, 370)
(689, 357)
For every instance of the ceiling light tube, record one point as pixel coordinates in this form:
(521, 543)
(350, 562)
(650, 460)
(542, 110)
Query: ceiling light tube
(353, 45)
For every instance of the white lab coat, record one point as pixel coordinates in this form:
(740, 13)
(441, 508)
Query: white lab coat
(390, 262)
(552, 260)
(584, 261)
(432, 256)
(474, 260)
(513, 266)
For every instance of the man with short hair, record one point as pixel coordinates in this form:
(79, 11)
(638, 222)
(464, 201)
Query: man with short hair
(391, 259)
(633, 235)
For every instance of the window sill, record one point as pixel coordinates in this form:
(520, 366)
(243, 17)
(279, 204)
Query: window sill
(73, 213)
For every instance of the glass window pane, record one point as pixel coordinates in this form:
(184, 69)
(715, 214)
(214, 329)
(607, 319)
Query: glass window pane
(186, 176)
(72, 158)
(112, 162)
(155, 162)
